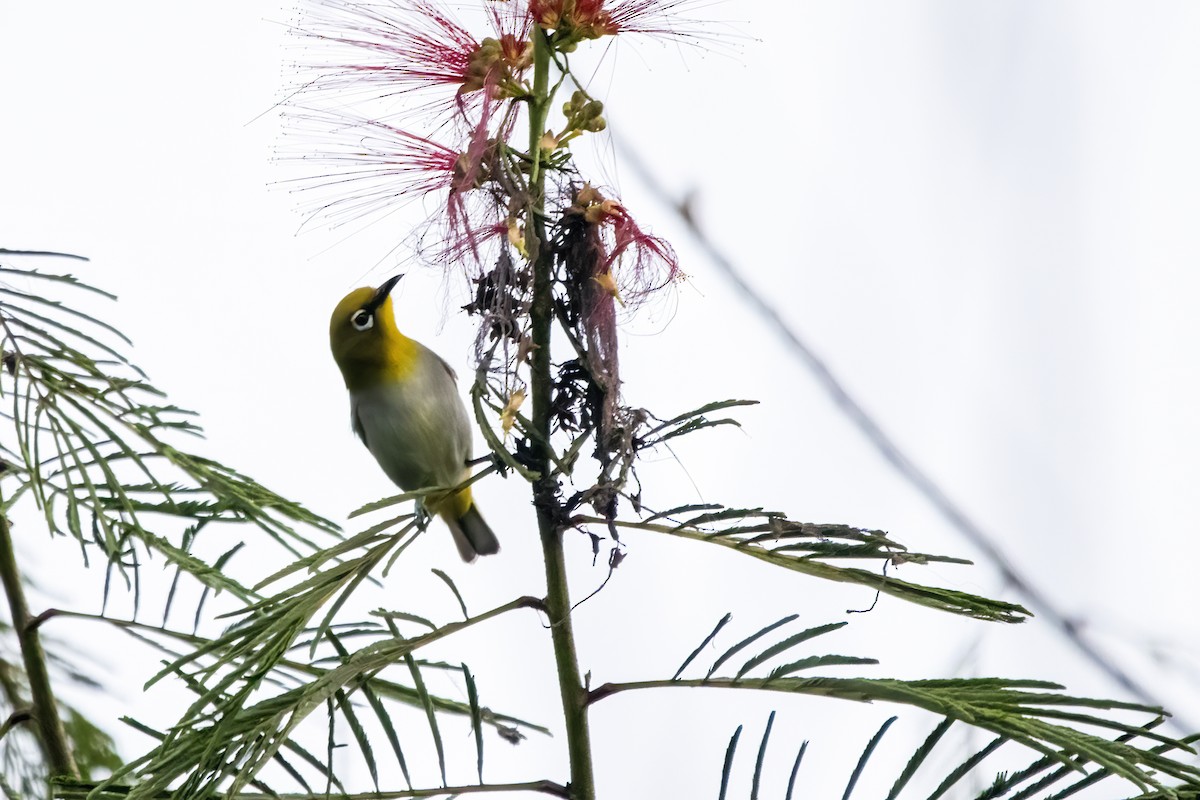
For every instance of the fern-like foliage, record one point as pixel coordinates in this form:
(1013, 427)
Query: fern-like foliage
(1066, 734)
(98, 447)
(100, 452)
(1135, 754)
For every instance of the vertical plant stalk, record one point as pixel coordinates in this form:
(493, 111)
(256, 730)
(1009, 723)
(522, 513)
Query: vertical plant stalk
(51, 733)
(558, 599)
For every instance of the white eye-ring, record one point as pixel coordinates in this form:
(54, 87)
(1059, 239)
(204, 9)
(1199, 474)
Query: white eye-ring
(362, 320)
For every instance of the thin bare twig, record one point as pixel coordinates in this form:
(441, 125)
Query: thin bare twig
(891, 452)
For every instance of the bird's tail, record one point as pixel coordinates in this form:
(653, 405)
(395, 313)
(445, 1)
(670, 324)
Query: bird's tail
(472, 535)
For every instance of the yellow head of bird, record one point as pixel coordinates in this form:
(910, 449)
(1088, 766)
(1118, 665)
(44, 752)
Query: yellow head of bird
(366, 344)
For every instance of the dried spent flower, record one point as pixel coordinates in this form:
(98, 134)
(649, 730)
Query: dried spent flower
(608, 283)
(647, 262)
(605, 259)
(508, 416)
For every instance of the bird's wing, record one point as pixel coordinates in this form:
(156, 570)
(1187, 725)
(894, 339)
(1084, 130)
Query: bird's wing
(356, 424)
(449, 369)
(459, 425)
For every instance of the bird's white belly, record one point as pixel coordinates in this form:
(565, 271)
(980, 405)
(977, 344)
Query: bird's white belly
(419, 437)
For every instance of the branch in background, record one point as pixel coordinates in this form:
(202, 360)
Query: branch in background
(4, 251)
(888, 449)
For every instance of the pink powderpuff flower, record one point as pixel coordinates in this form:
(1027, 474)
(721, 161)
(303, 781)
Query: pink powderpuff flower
(401, 46)
(576, 20)
(466, 235)
(371, 166)
(465, 238)
(397, 47)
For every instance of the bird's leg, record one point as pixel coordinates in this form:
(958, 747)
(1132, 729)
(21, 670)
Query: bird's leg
(423, 516)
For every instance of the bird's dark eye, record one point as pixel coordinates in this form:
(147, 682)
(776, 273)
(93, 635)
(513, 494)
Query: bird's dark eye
(362, 320)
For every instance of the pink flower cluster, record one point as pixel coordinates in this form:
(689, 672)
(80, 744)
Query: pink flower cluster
(466, 93)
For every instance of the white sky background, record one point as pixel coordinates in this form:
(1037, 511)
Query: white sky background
(981, 214)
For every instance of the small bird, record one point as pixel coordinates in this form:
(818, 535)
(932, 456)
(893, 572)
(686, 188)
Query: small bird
(405, 406)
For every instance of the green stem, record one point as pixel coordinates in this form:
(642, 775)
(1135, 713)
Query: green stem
(539, 110)
(51, 733)
(558, 599)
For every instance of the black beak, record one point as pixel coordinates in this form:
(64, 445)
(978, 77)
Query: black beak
(382, 293)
